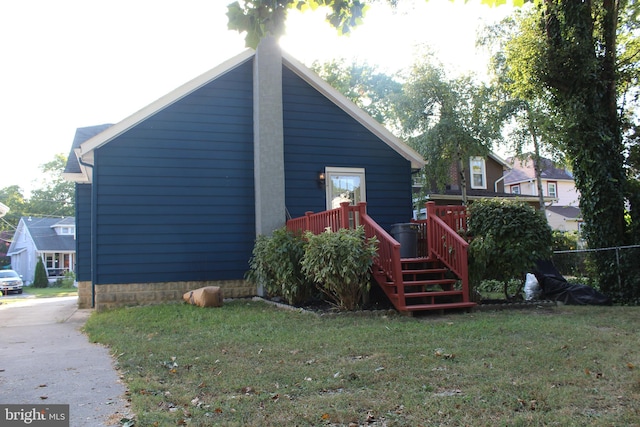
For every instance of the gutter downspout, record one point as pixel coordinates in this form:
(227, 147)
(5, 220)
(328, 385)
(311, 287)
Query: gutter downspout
(495, 184)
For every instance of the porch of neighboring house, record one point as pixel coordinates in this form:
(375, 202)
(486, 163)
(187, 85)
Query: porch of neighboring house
(430, 274)
(57, 264)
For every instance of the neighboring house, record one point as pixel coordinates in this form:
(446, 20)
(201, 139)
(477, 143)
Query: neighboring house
(4, 209)
(50, 239)
(172, 198)
(557, 183)
(564, 218)
(558, 186)
(484, 179)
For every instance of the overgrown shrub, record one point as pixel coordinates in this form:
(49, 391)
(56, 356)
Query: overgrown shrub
(276, 265)
(40, 279)
(338, 262)
(67, 281)
(507, 238)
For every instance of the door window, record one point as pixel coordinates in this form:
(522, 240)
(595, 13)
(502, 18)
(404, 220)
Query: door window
(344, 185)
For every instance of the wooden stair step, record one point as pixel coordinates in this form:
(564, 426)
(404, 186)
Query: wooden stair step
(431, 294)
(447, 306)
(427, 282)
(426, 271)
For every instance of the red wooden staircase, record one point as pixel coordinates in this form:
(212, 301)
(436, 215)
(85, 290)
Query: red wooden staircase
(436, 279)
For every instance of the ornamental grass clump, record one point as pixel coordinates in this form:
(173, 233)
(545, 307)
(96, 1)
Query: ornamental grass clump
(339, 264)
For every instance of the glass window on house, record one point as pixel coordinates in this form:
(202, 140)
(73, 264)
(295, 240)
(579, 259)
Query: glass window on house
(551, 189)
(515, 189)
(344, 185)
(478, 173)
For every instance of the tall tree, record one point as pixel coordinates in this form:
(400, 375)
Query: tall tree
(525, 106)
(579, 66)
(447, 121)
(369, 88)
(56, 195)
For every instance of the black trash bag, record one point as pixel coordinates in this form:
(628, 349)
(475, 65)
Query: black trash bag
(555, 287)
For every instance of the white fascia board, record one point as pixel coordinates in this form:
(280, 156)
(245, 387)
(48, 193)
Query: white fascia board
(353, 110)
(114, 131)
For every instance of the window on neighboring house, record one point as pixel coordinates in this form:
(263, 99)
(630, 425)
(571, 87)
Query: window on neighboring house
(65, 230)
(515, 189)
(551, 189)
(478, 173)
(344, 185)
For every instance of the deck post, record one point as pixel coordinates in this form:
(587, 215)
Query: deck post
(430, 212)
(344, 214)
(307, 220)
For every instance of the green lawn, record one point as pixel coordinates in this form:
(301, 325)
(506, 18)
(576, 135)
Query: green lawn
(252, 364)
(31, 292)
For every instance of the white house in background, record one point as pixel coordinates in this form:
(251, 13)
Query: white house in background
(51, 239)
(564, 218)
(557, 184)
(3, 209)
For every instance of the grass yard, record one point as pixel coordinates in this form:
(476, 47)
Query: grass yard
(252, 364)
(31, 292)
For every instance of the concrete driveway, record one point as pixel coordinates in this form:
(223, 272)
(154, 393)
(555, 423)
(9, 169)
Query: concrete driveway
(46, 359)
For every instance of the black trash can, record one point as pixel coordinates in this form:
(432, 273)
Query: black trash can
(407, 235)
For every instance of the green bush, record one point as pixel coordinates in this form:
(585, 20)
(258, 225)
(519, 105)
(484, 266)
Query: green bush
(507, 238)
(564, 240)
(66, 282)
(339, 262)
(40, 279)
(276, 265)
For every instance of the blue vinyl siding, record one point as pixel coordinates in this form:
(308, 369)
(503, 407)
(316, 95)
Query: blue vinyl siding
(83, 232)
(318, 133)
(175, 193)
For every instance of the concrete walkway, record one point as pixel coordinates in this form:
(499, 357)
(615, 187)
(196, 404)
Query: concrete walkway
(46, 359)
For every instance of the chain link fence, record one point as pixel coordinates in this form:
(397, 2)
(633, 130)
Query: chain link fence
(580, 264)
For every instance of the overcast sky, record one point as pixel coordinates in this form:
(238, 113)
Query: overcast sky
(75, 63)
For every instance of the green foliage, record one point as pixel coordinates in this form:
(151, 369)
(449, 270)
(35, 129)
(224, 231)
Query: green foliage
(564, 240)
(339, 262)
(365, 85)
(447, 121)
(508, 237)
(67, 282)
(40, 279)
(276, 265)
(55, 196)
(261, 17)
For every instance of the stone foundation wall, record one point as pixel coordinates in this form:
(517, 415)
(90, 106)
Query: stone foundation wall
(84, 295)
(111, 296)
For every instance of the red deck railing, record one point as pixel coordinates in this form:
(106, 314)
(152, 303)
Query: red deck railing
(444, 242)
(348, 216)
(437, 237)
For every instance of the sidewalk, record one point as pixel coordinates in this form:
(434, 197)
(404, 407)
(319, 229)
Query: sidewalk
(45, 358)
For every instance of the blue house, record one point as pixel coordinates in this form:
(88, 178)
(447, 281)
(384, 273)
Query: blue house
(172, 198)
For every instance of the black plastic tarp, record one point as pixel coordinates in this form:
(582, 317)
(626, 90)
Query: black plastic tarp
(555, 287)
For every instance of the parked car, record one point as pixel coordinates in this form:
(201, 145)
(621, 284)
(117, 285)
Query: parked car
(10, 281)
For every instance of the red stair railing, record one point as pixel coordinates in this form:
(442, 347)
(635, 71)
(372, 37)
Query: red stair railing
(444, 242)
(437, 237)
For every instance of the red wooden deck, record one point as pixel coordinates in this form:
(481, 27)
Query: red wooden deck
(437, 279)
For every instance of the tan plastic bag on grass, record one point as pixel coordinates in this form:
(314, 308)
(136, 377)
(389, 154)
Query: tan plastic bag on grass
(209, 296)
